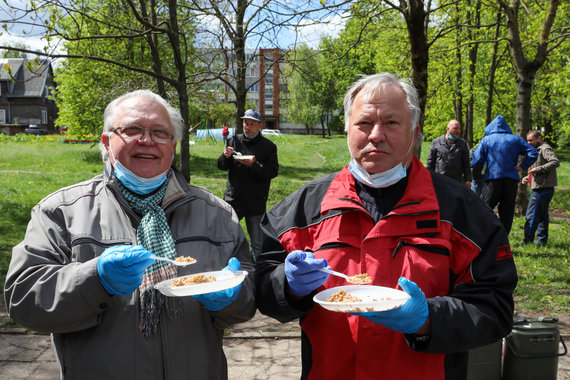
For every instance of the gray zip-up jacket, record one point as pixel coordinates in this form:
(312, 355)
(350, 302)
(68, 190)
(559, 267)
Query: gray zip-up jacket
(53, 286)
(544, 168)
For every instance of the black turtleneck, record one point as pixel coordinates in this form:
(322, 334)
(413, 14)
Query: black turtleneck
(379, 202)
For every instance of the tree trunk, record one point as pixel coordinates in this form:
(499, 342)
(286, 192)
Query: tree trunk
(181, 87)
(492, 70)
(416, 22)
(152, 40)
(458, 98)
(238, 41)
(473, 50)
(526, 71)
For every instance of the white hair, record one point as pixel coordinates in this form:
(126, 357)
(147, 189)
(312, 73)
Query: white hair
(372, 84)
(110, 115)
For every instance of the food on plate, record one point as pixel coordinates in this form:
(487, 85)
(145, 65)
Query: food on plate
(192, 280)
(185, 259)
(343, 296)
(362, 278)
(244, 157)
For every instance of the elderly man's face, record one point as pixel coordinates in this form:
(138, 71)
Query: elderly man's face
(379, 130)
(454, 128)
(143, 156)
(251, 126)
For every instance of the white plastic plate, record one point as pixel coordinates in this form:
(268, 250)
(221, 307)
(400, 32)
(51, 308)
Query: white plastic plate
(245, 158)
(224, 280)
(374, 298)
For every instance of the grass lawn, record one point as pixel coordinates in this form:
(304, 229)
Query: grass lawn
(33, 167)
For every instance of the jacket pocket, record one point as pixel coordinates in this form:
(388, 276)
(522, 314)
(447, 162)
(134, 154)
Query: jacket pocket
(425, 262)
(86, 248)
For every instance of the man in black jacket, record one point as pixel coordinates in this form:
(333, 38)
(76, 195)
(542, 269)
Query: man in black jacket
(252, 162)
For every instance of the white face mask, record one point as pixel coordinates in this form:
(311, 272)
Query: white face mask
(378, 180)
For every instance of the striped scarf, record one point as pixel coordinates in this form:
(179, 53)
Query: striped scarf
(153, 233)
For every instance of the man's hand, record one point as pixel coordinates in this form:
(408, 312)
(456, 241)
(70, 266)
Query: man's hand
(121, 268)
(301, 271)
(218, 300)
(524, 180)
(408, 318)
(228, 151)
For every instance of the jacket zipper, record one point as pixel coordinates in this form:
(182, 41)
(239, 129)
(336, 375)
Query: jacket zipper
(332, 246)
(423, 247)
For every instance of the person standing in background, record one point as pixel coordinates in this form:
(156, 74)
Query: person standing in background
(500, 149)
(542, 180)
(476, 175)
(249, 177)
(225, 133)
(449, 155)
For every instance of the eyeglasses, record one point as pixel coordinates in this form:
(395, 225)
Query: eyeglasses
(134, 132)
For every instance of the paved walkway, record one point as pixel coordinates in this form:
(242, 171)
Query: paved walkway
(261, 349)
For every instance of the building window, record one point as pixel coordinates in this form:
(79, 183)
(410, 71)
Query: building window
(2, 116)
(44, 117)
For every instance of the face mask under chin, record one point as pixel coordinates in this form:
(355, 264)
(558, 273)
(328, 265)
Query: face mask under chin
(134, 182)
(377, 180)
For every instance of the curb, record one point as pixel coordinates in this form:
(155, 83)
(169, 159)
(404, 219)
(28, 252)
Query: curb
(231, 335)
(281, 335)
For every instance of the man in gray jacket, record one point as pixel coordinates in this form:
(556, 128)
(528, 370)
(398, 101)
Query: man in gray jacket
(542, 179)
(85, 271)
(449, 155)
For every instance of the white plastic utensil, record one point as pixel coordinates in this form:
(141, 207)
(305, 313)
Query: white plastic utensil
(179, 263)
(351, 279)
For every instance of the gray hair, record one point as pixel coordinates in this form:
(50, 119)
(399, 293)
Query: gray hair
(110, 115)
(371, 84)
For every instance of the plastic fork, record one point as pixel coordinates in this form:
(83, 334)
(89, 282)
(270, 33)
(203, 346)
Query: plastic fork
(351, 279)
(178, 263)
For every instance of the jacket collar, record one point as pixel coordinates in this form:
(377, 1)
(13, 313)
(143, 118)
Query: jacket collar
(177, 187)
(419, 200)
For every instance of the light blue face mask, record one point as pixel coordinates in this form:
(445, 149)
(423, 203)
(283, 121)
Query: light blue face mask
(135, 183)
(451, 137)
(378, 180)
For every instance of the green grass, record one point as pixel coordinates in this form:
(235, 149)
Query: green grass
(33, 167)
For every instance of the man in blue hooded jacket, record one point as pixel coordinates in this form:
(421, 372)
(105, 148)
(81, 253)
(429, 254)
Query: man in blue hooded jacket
(500, 149)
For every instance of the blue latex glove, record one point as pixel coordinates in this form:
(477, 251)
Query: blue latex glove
(218, 300)
(302, 274)
(409, 317)
(121, 268)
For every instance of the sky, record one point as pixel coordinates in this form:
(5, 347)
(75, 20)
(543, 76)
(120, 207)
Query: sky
(306, 33)
(23, 33)
(312, 34)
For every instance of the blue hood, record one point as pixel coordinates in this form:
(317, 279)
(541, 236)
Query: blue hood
(498, 125)
(500, 149)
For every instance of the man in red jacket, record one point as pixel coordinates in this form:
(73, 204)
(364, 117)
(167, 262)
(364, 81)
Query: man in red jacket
(386, 215)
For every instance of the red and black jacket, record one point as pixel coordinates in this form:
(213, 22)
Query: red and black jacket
(439, 235)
